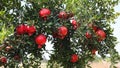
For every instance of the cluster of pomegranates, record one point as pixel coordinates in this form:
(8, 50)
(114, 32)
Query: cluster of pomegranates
(30, 30)
(101, 35)
(41, 38)
(61, 33)
(99, 32)
(45, 12)
(23, 29)
(3, 60)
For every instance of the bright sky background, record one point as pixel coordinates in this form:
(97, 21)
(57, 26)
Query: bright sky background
(116, 27)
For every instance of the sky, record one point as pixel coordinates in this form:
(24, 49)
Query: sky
(116, 27)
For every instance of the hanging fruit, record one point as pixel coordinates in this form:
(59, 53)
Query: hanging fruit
(74, 58)
(93, 51)
(62, 32)
(40, 40)
(21, 29)
(44, 13)
(74, 24)
(62, 15)
(88, 35)
(101, 34)
(31, 30)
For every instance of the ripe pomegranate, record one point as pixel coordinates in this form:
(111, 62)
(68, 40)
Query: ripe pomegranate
(74, 58)
(74, 24)
(3, 60)
(88, 35)
(93, 51)
(101, 34)
(21, 29)
(62, 15)
(44, 12)
(40, 40)
(62, 31)
(31, 30)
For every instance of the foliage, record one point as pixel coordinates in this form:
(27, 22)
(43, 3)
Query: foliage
(5, 32)
(7, 18)
(87, 13)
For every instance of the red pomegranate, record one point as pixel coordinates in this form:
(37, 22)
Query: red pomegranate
(74, 22)
(93, 51)
(3, 60)
(44, 12)
(21, 29)
(40, 40)
(74, 58)
(62, 15)
(62, 31)
(101, 34)
(31, 30)
(88, 35)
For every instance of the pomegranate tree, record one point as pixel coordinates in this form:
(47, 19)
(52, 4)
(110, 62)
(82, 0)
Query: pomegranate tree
(77, 30)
